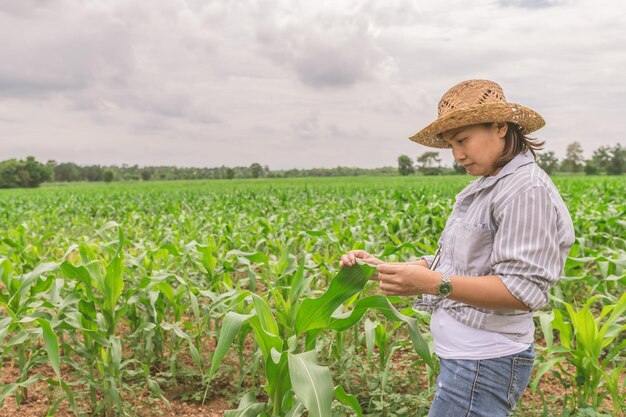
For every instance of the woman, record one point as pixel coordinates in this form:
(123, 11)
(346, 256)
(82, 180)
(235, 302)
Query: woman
(503, 248)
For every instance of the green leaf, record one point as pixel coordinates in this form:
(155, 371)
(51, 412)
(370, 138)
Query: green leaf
(311, 383)
(298, 284)
(545, 320)
(116, 355)
(113, 283)
(296, 410)
(277, 374)
(8, 389)
(230, 327)
(195, 355)
(370, 327)
(266, 340)
(248, 407)
(348, 399)
(344, 321)
(264, 313)
(314, 313)
(52, 346)
(41, 269)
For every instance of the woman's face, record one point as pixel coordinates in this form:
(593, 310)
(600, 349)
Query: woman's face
(477, 147)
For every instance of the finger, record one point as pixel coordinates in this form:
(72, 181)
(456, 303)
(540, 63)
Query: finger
(386, 268)
(387, 288)
(375, 277)
(386, 280)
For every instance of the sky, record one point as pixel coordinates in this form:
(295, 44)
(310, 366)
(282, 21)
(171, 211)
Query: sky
(294, 84)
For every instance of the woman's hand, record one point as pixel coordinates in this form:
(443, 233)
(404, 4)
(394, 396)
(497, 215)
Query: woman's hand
(349, 259)
(407, 279)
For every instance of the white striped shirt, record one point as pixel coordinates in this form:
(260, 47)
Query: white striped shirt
(513, 225)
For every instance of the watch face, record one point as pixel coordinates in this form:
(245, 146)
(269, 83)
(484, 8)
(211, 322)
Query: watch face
(445, 288)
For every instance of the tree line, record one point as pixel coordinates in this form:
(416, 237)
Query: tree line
(31, 173)
(610, 160)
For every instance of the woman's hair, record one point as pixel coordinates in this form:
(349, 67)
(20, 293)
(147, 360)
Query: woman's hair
(515, 142)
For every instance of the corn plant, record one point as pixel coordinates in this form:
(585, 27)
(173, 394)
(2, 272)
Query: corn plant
(295, 381)
(99, 287)
(27, 323)
(587, 343)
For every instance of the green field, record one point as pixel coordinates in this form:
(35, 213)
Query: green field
(116, 297)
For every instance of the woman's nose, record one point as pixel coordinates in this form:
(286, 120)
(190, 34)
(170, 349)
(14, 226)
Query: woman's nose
(457, 153)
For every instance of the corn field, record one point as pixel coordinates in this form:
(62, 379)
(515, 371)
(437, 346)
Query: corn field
(124, 294)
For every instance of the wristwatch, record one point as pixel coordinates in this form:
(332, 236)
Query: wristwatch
(445, 287)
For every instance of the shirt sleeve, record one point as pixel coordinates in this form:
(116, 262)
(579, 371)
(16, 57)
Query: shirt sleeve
(429, 259)
(526, 251)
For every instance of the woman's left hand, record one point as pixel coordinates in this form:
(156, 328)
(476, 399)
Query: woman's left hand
(403, 279)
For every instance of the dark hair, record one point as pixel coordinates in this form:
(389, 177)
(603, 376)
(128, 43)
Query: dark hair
(515, 142)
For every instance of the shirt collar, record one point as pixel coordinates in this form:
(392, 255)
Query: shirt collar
(487, 181)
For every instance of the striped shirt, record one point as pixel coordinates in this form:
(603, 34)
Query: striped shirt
(513, 225)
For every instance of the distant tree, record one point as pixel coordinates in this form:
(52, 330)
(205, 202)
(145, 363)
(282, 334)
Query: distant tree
(93, 172)
(405, 165)
(599, 161)
(108, 176)
(23, 173)
(607, 159)
(548, 161)
(37, 172)
(51, 164)
(230, 173)
(429, 163)
(146, 174)
(591, 168)
(617, 163)
(256, 170)
(574, 160)
(67, 171)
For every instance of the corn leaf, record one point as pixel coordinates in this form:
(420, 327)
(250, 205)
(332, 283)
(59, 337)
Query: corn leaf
(264, 313)
(8, 389)
(41, 269)
(230, 327)
(277, 374)
(52, 346)
(311, 383)
(348, 399)
(248, 407)
(314, 313)
(113, 283)
(342, 322)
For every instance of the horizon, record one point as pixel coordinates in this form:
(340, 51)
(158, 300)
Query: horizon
(414, 159)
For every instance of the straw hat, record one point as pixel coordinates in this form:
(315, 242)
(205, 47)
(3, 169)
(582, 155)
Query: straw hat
(473, 102)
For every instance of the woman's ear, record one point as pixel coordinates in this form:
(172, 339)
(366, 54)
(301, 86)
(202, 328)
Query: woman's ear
(501, 129)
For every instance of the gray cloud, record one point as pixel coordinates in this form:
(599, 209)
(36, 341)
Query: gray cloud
(293, 83)
(51, 50)
(326, 49)
(530, 4)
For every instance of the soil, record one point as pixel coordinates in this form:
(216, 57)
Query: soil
(144, 404)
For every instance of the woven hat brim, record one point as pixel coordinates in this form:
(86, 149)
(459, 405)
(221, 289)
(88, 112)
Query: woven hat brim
(527, 119)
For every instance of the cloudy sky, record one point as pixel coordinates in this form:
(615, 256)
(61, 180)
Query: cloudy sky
(290, 83)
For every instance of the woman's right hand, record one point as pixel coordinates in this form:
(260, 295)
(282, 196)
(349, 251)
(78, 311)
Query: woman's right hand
(349, 259)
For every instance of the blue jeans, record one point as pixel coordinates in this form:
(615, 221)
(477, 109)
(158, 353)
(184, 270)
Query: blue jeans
(481, 388)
